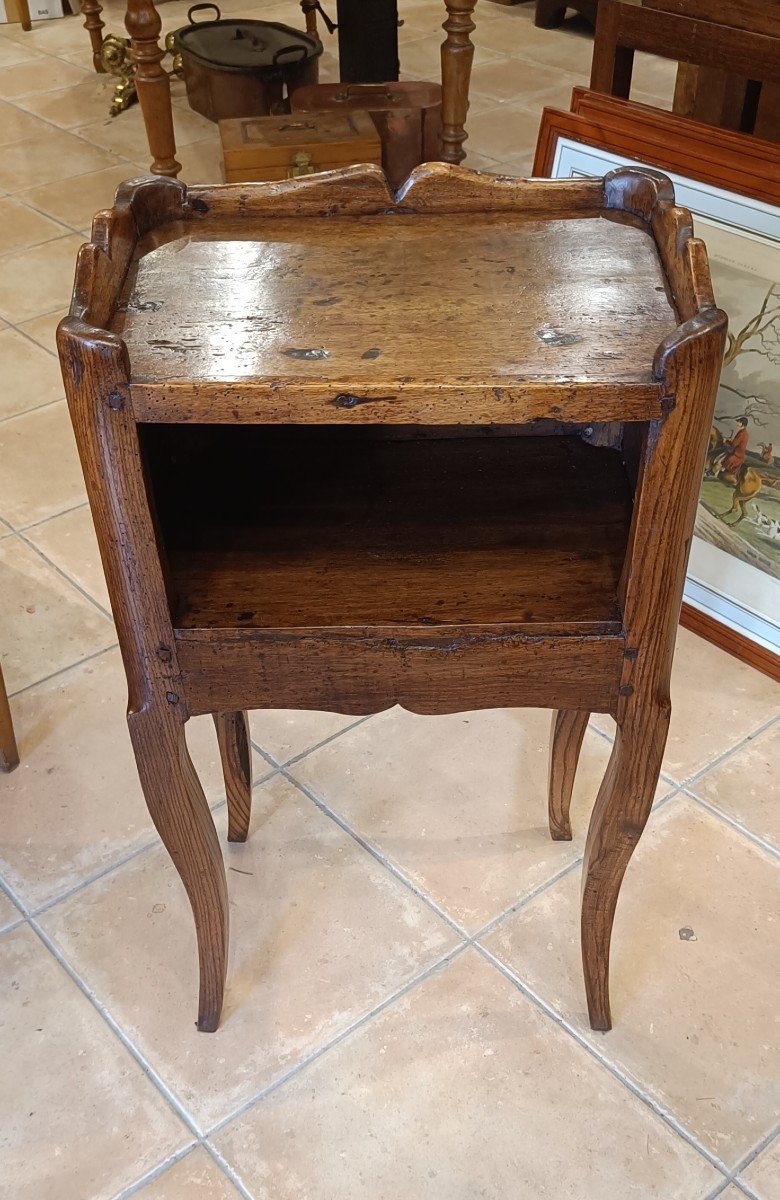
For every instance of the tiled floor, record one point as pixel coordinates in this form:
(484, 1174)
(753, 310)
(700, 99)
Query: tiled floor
(405, 1014)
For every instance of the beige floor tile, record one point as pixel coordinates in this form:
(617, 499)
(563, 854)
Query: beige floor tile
(716, 701)
(78, 1114)
(29, 77)
(47, 625)
(732, 1192)
(458, 803)
(20, 226)
(74, 805)
(518, 80)
(503, 132)
(763, 1174)
(37, 281)
(321, 933)
(695, 1017)
(49, 158)
(69, 542)
(56, 36)
(86, 100)
(13, 53)
(31, 377)
(285, 733)
(746, 786)
(75, 201)
(196, 1177)
(16, 124)
(41, 472)
(126, 134)
(9, 913)
(43, 329)
(462, 1088)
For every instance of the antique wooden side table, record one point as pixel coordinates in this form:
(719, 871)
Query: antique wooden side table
(346, 450)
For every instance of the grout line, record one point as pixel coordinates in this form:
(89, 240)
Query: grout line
(226, 1169)
(61, 671)
(287, 762)
(23, 332)
(63, 575)
(45, 520)
(721, 758)
(736, 825)
(20, 920)
(113, 1024)
(357, 1024)
(34, 407)
(521, 903)
(764, 1144)
(375, 854)
(595, 1053)
(133, 1188)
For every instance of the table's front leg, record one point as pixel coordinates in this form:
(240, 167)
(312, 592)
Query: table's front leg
(152, 84)
(457, 53)
(91, 10)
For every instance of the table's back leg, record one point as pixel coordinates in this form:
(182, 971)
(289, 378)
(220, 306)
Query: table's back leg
(568, 730)
(457, 53)
(152, 85)
(234, 750)
(9, 755)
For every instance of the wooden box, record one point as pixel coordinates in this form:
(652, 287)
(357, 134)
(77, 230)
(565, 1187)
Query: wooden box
(260, 148)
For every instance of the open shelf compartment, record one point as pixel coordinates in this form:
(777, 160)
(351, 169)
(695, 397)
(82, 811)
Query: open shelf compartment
(339, 528)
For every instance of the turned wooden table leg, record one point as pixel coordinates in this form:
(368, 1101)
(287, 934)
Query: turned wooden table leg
(91, 10)
(9, 755)
(152, 84)
(568, 730)
(236, 755)
(457, 53)
(618, 819)
(181, 814)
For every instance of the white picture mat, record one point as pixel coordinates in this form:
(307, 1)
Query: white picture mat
(731, 591)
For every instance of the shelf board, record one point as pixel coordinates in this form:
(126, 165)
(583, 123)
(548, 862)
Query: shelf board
(391, 318)
(348, 530)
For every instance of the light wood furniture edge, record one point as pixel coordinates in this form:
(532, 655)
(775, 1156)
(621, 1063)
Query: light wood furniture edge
(97, 375)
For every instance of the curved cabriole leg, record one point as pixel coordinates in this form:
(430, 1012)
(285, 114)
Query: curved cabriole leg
(9, 755)
(180, 812)
(233, 737)
(568, 730)
(457, 53)
(618, 819)
(152, 84)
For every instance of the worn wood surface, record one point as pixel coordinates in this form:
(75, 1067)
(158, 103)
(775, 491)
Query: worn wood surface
(236, 755)
(9, 754)
(345, 528)
(566, 735)
(350, 569)
(320, 324)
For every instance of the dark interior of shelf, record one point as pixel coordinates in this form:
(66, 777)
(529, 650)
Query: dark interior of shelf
(278, 528)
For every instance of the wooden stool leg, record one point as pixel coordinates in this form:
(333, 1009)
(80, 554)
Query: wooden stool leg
(9, 755)
(568, 730)
(234, 750)
(152, 85)
(619, 817)
(91, 10)
(180, 812)
(457, 53)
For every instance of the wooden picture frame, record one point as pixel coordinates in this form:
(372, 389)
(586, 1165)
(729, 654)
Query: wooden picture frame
(709, 163)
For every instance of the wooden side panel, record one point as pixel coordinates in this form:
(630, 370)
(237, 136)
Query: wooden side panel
(365, 672)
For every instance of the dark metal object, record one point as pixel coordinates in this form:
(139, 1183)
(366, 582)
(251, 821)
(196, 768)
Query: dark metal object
(242, 68)
(368, 40)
